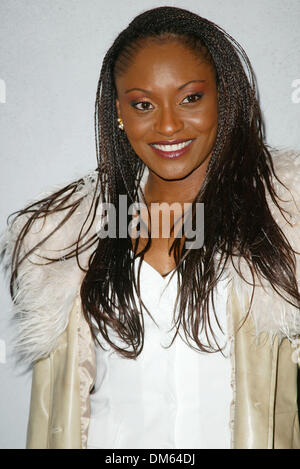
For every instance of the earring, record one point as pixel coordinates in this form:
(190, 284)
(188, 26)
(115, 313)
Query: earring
(121, 124)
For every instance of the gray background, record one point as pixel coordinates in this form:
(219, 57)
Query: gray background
(50, 57)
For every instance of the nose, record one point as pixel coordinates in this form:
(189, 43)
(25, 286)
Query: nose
(168, 122)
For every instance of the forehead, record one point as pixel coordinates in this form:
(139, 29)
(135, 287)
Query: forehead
(168, 62)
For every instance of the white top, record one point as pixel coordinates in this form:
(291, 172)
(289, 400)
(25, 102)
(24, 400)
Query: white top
(171, 397)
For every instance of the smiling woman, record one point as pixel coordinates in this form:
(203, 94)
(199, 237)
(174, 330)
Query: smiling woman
(150, 341)
(170, 118)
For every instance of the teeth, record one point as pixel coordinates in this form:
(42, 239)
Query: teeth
(175, 147)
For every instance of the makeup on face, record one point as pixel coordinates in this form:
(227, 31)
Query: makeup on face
(146, 101)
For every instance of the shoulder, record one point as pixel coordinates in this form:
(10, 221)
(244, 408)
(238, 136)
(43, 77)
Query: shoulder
(61, 206)
(270, 312)
(51, 221)
(47, 290)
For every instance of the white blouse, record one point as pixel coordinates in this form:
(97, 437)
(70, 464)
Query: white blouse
(172, 397)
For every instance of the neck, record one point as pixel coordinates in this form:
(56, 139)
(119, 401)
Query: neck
(182, 190)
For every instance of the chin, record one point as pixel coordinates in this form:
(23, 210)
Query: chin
(172, 175)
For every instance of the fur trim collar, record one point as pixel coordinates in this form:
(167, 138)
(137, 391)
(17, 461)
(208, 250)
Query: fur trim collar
(46, 293)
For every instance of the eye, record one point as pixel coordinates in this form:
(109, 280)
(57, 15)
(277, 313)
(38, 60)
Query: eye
(142, 105)
(192, 98)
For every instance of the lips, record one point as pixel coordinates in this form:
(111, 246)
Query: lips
(172, 148)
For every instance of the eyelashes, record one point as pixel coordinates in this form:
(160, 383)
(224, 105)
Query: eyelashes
(147, 106)
(197, 95)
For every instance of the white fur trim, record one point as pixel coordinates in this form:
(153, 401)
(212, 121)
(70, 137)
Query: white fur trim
(46, 293)
(271, 314)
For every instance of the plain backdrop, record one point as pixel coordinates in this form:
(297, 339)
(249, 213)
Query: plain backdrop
(50, 58)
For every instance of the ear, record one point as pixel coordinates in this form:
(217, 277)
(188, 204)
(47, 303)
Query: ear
(118, 107)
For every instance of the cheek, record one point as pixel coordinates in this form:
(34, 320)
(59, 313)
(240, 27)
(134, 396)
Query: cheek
(205, 120)
(136, 135)
(135, 127)
(136, 130)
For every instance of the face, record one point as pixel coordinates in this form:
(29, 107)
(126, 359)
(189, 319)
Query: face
(167, 99)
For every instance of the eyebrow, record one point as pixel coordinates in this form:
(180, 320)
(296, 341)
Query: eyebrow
(180, 87)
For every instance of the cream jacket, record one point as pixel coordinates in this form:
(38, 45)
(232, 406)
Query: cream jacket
(52, 334)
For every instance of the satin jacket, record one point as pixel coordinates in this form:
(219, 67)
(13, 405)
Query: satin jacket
(264, 409)
(53, 335)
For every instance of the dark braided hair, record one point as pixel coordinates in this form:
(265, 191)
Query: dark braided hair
(237, 216)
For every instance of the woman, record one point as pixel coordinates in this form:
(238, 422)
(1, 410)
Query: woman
(177, 121)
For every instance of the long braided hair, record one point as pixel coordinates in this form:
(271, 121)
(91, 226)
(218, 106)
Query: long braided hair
(237, 216)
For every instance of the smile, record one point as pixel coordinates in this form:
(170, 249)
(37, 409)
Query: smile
(172, 151)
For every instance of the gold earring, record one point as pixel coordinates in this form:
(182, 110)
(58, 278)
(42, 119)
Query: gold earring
(121, 124)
